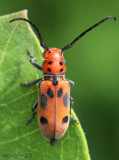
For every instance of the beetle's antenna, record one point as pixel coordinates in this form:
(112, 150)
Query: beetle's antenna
(41, 41)
(86, 31)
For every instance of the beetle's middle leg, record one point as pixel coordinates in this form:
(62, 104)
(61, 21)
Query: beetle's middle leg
(31, 83)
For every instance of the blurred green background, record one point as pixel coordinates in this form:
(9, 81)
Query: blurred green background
(93, 62)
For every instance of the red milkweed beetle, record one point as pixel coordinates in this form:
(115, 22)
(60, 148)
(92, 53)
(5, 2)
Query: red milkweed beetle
(54, 103)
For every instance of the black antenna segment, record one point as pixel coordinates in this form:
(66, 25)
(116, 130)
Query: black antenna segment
(86, 31)
(39, 34)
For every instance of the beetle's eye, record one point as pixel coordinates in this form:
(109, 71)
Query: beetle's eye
(49, 51)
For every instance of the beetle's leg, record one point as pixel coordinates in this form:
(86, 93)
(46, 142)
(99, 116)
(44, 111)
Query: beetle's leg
(71, 102)
(34, 113)
(32, 61)
(30, 120)
(71, 105)
(73, 119)
(31, 83)
(34, 106)
(71, 83)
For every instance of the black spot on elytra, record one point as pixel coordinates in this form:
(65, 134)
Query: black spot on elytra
(65, 119)
(50, 93)
(49, 70)
(55, 82)
(43, 99)
(60, 63)
(65, 100)
(43, 120)
(59, 92)
(61, 70)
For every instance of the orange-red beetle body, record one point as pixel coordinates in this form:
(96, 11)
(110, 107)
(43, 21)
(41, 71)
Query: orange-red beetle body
(54, 62)
(54, 97)
(54, 108)
(54, 103)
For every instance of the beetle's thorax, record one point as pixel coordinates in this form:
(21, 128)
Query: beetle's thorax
(54, 61)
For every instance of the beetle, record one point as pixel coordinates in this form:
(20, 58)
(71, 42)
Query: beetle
(54, 103)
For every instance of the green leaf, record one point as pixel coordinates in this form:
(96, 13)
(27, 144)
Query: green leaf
(16, 101)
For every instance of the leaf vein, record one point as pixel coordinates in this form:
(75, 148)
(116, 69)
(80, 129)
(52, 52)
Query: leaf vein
(23, 95)
(7, 43)
(20, 137)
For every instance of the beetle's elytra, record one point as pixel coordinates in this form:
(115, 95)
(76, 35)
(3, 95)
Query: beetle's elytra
(54, 103)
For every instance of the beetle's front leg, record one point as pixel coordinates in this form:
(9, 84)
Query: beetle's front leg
(32, 60)
(31, 83)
